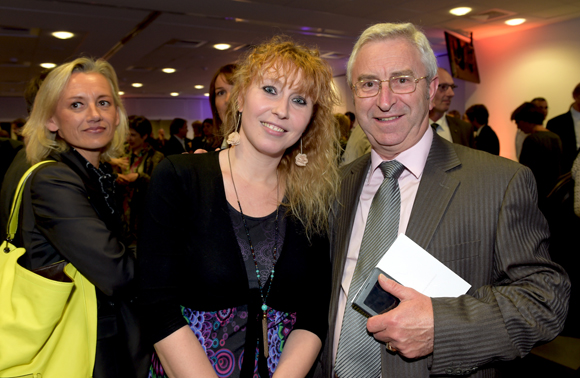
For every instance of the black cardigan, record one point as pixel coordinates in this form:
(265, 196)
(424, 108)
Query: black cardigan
(189, 255)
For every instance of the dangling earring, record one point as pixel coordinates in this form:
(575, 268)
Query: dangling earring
(234, 138)
(301, 159)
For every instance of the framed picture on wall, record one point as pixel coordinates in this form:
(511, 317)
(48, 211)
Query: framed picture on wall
(462, 59)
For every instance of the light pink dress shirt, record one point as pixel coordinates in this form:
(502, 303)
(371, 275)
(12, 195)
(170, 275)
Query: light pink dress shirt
(414, 160)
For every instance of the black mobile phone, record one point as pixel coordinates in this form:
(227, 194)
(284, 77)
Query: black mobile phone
(372, 299)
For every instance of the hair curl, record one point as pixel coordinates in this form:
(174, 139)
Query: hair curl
(310, 190)
(40, 141)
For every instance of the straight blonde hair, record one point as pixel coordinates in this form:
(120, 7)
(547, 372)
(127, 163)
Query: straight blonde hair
(40, 141)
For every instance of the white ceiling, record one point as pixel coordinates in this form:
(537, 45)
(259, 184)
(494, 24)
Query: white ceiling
(331, 25)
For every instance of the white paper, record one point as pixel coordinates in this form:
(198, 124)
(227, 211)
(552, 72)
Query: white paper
(416, 268)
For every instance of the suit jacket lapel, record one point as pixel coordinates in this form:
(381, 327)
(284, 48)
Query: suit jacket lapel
(341, 220)
(435, 192)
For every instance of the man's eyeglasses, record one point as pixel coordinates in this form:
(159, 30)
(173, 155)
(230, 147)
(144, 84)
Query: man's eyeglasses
(445, 87)
(399, 85)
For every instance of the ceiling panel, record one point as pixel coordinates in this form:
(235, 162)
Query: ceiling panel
(331, 25)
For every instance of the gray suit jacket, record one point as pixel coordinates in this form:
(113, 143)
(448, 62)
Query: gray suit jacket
(477, 214)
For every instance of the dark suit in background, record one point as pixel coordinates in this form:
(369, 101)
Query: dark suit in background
(174, 147)
(461, 131)
(487, 140)
(563, 126)
(498, 243)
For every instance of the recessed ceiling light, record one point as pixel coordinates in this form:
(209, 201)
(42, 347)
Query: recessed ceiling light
(121, 93)
(168, 70)
(461, 11)
(206, 94)
(174, 94)
(62, 34)
(515, 21)
(198, 86)
(47, 65)
(137, 85)
(222, 46)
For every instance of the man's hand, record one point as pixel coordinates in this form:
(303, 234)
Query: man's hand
(408, 327)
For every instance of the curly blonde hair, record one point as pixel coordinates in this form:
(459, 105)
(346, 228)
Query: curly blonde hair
(40, 141)
(310, 190)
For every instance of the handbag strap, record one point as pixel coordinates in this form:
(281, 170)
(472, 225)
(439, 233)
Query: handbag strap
(12, 226)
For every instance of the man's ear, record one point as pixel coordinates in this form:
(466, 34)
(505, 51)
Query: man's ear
(51, 125)
(433, 85)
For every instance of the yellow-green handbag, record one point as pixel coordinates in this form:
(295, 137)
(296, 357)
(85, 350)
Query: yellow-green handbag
(48, 328)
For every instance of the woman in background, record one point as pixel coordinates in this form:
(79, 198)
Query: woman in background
(234, 249)
(141, 162)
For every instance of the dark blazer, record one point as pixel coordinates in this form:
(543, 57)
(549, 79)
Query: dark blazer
(563, 126)
(487, 141)
(174, 147)
(461, 131)
(189, 256)
(65, 217)
(477, 214)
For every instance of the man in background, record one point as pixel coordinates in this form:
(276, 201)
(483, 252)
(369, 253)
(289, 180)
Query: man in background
(485, 138)
(567, 127)
(450, 128)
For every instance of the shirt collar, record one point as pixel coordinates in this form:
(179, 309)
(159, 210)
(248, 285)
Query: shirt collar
(413, 158)
(441, 121)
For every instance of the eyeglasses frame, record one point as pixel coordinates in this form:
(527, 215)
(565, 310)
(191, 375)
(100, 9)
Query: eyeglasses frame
(389, 81)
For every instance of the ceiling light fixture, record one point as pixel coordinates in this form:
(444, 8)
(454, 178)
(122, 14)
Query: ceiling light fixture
(515, 21)
(62, 34)
(121, 93)
(137, 85)
(168, 70)
(174, 94)
(461, 11)
(198, 86)
(222, 46)
(47, 65)
(206, 94)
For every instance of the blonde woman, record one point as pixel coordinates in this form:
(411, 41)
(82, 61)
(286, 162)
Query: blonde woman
(233, 250)
(68, 207)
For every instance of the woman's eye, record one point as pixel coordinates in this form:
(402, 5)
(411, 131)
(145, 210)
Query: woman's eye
(104, 103)
(300, 100)
(220, 93)
(76, 105)
(270, 89)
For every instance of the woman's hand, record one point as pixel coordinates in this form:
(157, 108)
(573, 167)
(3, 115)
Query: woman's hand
(121, 163)
(128, 178)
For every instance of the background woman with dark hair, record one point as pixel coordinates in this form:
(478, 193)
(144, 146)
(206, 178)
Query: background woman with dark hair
(142, 160)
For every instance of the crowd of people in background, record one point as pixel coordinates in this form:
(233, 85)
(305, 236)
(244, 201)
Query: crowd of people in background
(549, 147)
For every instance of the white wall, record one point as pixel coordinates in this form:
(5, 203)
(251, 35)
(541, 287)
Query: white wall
(514, 68)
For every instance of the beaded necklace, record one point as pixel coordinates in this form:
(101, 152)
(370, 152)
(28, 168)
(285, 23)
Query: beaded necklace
(274, 252)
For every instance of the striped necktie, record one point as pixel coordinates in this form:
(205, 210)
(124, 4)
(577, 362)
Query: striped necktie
(358, 352)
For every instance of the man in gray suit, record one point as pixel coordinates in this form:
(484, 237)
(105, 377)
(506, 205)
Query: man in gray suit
(474, 212)
(451, 128)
